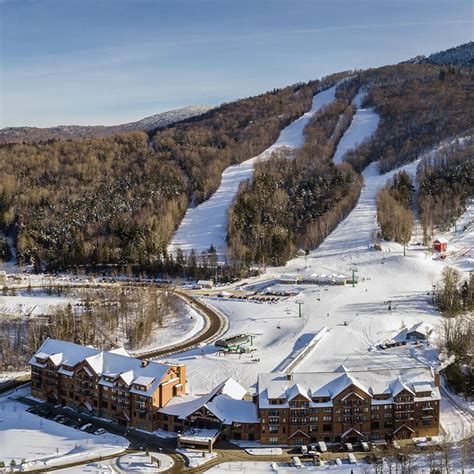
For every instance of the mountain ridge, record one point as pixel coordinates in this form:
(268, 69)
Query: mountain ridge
(72, 132)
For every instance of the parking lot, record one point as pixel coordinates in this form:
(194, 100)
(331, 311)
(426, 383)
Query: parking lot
(77, 422)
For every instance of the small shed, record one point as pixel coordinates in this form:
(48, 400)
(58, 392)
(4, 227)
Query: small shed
(441, 244)
(205, 284)
(420, 331)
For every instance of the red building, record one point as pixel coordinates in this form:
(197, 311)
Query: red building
(441, 245)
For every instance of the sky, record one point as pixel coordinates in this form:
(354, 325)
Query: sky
(113, 61)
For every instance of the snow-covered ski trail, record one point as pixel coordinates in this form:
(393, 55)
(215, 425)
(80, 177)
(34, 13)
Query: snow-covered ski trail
(206, 224)
(363, 125)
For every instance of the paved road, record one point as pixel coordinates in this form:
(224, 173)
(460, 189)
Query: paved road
(215, 325)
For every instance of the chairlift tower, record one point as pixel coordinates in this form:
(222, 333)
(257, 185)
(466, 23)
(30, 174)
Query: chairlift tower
(354, 271)
(300, 305)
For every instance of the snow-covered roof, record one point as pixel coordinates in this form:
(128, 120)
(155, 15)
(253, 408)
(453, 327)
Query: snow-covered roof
(143, 380)
(231, 388)
(296, 390)
(423, 328)
(229, 410)
(441, 240)
(398, 386)
(225, 401)
(115, 364)
(330, 384)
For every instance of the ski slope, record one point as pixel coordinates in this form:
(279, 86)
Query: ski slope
(363, 125)
(206, 224)
(357, 318)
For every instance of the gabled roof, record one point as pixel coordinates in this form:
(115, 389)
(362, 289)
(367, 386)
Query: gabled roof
(296, 390)
(231, 388)
(114, 364)
(225, 401)
(229, 410)
(300, 433)
(398, 386)
(422, 327)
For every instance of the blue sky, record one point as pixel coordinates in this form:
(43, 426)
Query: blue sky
(112, 61)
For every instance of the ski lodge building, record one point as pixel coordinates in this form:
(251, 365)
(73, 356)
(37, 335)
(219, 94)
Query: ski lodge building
(287, 408)
(109, 384)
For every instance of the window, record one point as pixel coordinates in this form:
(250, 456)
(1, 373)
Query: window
(273, 429)
(273, 440)
(326, 418)
(273, 421)
(313, 428)
(313, 418)
(294, 421)
(426, 421)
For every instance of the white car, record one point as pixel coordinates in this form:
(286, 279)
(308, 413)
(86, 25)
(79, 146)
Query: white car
(322, 446)
(349, 447)
(100, 431)
(84, 427)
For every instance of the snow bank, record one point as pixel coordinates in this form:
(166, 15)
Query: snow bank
(45, 443)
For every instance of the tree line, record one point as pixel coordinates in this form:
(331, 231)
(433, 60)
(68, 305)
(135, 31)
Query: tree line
(446, 183)
(104, 318)
(419, 106)
(117, 200)
(295, 199)
(454, 297)
(394, 209)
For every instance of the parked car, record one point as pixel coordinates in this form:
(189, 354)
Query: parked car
(322, 446)
(304, 450)
(365, 446)
(351, 458)
(85, 427)
(297, 462)
(100, 431)
(338, 462)
(348, 447)
(63, 420)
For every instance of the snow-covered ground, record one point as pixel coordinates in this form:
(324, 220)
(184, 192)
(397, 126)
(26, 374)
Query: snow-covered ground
(34, 303)
(363, 125)
(206, 224)
(44, 443)
(175, 329)
(357, 318)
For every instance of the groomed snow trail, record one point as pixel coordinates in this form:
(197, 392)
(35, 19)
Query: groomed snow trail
(206, 224)
(363, 125)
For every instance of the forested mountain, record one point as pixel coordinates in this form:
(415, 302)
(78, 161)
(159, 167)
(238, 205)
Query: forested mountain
(70, 132)
(419, 105)
(462, 55)
(117, 200)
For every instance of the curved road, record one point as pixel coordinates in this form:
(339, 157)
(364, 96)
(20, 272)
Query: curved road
(215, 323)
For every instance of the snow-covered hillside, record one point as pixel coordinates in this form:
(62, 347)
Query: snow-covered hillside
(393, 294)
(206, 224)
